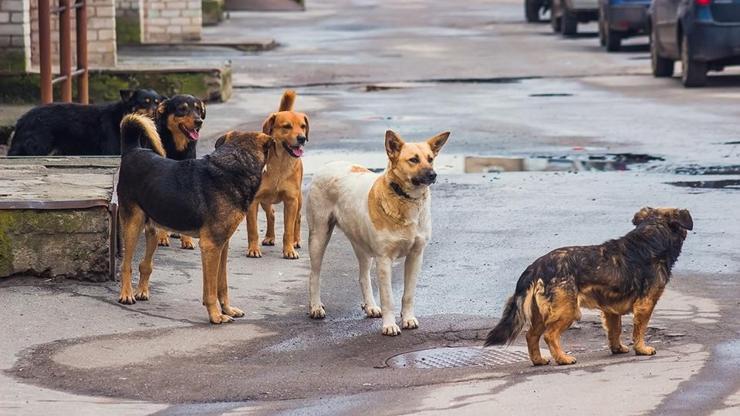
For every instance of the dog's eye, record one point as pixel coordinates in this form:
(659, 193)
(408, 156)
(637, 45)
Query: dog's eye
(146, 100)
(303, 126)
(287, 126)
(414, 160)
(430, 159)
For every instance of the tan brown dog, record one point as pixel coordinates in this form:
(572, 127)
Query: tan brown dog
(282, 179)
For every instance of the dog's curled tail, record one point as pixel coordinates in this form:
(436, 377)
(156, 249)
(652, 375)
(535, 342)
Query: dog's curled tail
(286, 103)
(516, 313)
(134, 128)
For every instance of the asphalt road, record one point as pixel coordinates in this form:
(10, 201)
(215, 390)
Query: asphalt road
(504, 88)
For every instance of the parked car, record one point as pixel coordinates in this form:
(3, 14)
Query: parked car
(566, 14)
(703, 34)
(620, 19)
(533, 9)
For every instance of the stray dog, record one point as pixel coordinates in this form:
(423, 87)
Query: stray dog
(204, 198)
(618, 277)
(77, 129)
(282, 179)
(179, 120)
(384, 216)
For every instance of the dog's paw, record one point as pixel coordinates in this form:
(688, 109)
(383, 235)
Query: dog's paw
(290, 253)
(142, 294)
(268, 241)
(410, 323)
(317, 311)
(565, 360)
(644, 350)
(187, 243)
(372, 311)
(254, 252)
(391, 330)
(221, 319)
(621, 349)
(297, 244)
(540, 361)
(126, 297)
(163, 241)
(232, 311)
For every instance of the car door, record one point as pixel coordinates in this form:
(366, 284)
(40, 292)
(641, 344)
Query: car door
(665, 18)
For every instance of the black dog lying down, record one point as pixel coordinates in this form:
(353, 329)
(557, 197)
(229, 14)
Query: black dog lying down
(205, 198)
(77, 129)
(621, 276)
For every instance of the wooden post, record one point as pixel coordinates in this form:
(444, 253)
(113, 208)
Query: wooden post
(65, 49)
(45, 51)
(82, 81)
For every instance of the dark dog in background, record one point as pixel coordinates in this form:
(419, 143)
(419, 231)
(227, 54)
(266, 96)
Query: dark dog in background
(205, 198)
(618, 277)
(76, 129)
(179, 120)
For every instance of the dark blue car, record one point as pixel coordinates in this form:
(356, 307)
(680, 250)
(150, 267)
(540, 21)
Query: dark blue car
(619, 19)
(703, 34)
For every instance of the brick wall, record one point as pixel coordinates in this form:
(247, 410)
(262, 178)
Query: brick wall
(101, 34)
(15, 35)
(170, 21)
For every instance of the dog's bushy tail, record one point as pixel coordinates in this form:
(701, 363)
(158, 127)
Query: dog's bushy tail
(136, 127)
(286, 103)
(516, 313)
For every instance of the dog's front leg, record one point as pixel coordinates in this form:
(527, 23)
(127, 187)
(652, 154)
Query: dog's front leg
(211, 258)
(291, 210)
(411, 272)
(223, 286)
(642, 310)
(383, 266)
(253, 249)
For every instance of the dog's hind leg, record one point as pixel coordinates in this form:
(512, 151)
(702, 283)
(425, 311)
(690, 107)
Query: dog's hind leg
(412, 267)
(368, 300)
(132, 221)
(320, 228)
(562, 311)
(384, 270)
(223, 286)
(613, 324)
(270, 220)
(536, 328)
(642, 310)
(145, 267)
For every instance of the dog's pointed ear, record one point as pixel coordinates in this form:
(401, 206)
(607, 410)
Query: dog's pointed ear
(393, 145)
(305, 118)
(641, 215)
(269, 124)
(126, 94)
(436, 142)
(682, 217)
(162, 107)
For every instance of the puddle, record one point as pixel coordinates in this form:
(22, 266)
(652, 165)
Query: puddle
(459, 357)
(720, 184)
(552, 94)
(552, 163)
(708, 170)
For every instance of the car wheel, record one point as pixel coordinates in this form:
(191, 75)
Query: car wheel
(532, 10)
(570, 22)
(555, 21)
(662, 67)
(693, 73)
(602, 25)
(613, 40)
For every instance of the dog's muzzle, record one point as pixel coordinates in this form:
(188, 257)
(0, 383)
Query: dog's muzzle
(426, 177)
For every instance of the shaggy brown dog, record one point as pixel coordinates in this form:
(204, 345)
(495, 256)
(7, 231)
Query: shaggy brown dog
(618, 277)
(203, 198)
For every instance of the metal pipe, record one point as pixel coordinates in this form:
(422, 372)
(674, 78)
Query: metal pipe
(82, 81)
(65, 49)
(47, 94)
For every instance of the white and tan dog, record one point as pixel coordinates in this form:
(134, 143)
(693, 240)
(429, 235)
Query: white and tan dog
(384, 216)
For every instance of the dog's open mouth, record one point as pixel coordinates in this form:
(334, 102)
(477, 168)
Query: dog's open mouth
(192, 134)
(295, 151)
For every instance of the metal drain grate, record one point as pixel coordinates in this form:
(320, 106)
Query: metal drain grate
(457, 357)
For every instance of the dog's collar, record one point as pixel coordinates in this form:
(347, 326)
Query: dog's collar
(399, 191)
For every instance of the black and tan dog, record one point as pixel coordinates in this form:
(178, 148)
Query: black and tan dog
(621, 276)
(76, 129)
(203, 198)
(179, 120)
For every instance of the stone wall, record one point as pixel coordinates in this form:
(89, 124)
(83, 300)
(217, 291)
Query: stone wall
(15, 35)
(170, 21)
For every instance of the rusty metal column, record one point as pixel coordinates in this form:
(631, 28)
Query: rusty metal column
(65, 49)
(47, 95)
(82, 81)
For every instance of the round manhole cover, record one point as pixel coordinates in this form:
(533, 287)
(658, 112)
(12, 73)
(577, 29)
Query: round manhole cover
(456, 357)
